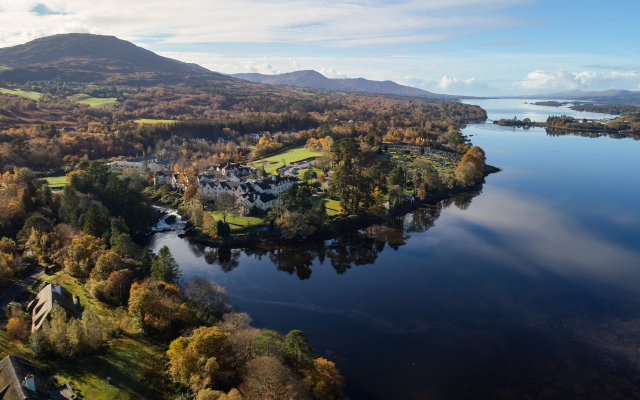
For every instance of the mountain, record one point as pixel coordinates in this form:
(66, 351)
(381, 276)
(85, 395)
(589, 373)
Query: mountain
(315, 80)
(613, 96)
(82, 57)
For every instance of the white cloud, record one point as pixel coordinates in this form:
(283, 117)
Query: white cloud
(332, 73)
(541, 80)
(447, 83)
(329, 23)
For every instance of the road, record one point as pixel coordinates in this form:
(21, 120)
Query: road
(14, 290)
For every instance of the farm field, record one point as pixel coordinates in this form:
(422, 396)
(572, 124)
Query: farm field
(290, 156)
(94, 101)
(20, 92)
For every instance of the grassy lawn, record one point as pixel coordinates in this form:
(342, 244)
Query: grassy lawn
(302, 171)
(94, 101)
(124, 361)
(57, 182)
(238, 223)
(333, 206)
(23, 93)
(153, 121)
(290, 156)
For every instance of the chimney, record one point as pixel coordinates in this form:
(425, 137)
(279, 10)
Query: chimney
(30, 382)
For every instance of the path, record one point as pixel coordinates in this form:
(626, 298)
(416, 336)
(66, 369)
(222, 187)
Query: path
(14, 290)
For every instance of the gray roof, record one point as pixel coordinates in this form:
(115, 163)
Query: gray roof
(13, 371)
(49, 295)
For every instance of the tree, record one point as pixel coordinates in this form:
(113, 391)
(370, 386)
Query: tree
(294, 225)
(268, 379)
(226, 203)
(165, 268)
(324, 381)
(193, 360)
(309, 175)
(81, 256)
(157, 306)
(208, 295)
(96, 220)
(118, 285)
(268, 343)
(105, 265)
(209, 394)
(297, 352)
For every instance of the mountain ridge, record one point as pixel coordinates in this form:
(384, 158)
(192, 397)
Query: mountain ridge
(83, 57)
(315, 80)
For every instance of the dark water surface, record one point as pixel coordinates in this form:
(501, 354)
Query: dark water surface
(528, 290)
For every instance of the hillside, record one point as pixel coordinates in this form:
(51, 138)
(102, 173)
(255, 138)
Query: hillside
(81, 57)
(315, 80)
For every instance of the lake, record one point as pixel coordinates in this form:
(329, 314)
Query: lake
(529, 289)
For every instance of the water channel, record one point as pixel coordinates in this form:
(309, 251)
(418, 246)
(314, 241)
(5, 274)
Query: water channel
(527, 289)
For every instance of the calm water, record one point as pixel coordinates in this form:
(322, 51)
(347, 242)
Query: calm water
(530, 289)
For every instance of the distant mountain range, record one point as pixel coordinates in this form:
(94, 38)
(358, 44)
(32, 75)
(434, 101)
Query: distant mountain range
(81, 57)
(605, 97)
(315, 80)
(87, 58)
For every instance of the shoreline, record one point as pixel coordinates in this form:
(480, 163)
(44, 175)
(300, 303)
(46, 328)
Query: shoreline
(356, 223)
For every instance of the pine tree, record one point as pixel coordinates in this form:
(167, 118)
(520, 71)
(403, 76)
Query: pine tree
(165, 268)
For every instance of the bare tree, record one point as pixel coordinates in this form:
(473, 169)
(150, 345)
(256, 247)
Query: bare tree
(210, 296)
(226, 203)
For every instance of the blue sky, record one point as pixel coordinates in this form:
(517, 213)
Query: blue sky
(475, 47)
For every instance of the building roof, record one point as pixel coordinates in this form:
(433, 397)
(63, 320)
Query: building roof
(13, 371)
(49, 295)
(141, 159)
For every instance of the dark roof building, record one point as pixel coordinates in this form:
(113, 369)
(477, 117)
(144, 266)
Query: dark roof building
(19, 380)
(41, 306)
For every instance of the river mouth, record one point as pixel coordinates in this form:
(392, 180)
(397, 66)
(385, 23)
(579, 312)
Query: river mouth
(529, 289)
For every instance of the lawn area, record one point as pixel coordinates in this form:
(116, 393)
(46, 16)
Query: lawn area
(94, 102)
(23, 93)
(237, 223)
(303, 170)
(153, 121)
(125, 361)
(290, 156)
(333, 206)
(57, 182)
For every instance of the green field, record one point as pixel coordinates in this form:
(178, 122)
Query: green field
(290, 156)
(57, 182)
(238, 223)
(333, 206)
(124, 361)
(153, 121)
(23, 93)
(94, 102)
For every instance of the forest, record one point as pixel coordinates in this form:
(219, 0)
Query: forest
(374, 152)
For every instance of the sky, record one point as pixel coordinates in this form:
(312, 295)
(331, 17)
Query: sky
(462, 47)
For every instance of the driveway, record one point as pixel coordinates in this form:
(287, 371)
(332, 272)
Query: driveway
(14, 290)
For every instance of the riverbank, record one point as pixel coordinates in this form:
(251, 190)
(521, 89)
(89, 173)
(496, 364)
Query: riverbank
(340, 225)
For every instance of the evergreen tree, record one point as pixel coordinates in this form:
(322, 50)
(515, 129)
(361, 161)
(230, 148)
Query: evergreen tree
(165, 268)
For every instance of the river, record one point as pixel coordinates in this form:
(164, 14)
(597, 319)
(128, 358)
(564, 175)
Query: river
(529, 289)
